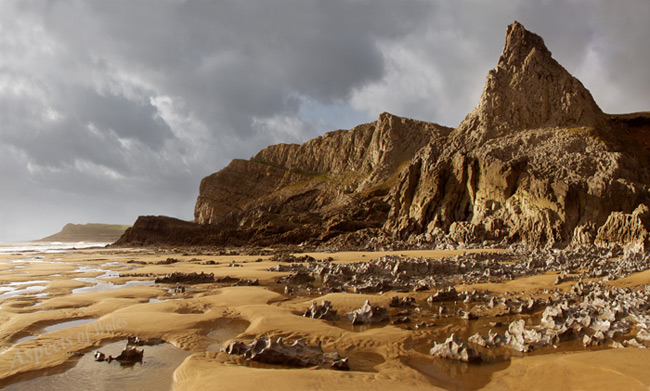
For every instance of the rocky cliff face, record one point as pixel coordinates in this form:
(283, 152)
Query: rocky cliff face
(330, 185)
(536, 161)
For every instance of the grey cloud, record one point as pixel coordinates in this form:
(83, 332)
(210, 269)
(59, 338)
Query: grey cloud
(232, 60)
(128, 119)
(110, 109)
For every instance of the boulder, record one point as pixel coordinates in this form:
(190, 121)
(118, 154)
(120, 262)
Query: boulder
(187, 278)
(627, 230)
(298, 354)
(129, 356)
(455, 349)
(322, 311)
(448, 294)
(137, 341)
(368, 314)
(404, 302)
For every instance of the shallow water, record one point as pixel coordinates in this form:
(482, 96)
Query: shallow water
(225, 332)
(107, 286)
(154, 373)
(11, 284)
(455, 375)
(103, 285)
(23, 339)
(57, 326)
(67, 324)
(18, 292)
(44, 247)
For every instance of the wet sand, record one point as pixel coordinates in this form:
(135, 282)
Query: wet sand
(43, 291)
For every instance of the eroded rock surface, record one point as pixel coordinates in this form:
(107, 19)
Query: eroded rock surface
(626, 229)
(536, 161)
(368, 314)
(323, 310)
(128, 356)
(298, 354)
(187, 278)
(455, 348)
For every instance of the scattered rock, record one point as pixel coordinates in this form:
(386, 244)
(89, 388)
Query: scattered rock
(290, 258)
(247, 282)
(368, 314)
(322, 311)
(128, 356)
(643, 336)
(298, 354)
(455, 349)
(493, 340)
(188, 278)
(401, 320)
(301, 277)
(137, 341)
(404, 302)
(226, 280)
(449, 294)
(167, 261)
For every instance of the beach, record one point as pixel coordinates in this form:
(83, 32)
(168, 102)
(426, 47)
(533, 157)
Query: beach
(57, 309)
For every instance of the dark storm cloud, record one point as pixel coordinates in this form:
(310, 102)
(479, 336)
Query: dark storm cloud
(231, 60)
(110, 109)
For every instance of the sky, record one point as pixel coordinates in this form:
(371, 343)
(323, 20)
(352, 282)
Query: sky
(114, 109)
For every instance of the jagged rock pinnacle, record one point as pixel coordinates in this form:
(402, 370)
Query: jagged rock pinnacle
(519, 43)
(527, 90)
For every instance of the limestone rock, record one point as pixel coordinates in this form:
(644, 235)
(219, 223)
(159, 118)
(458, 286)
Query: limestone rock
(298, 354)
(322, 311)
(137, 341)
(528, 90)
(643, 336)
(328, 186)
(536, 161)
(368, 314)
(455, 349)
(626, 229)
(404, 302)
(493, 340)
(448, 294)
(188, 278)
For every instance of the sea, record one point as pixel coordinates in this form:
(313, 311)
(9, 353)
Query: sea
(26, 248)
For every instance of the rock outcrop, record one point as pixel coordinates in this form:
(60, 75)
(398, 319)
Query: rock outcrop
(368, 314)
(333, 184)
(626, 229)
(298, 354)
(322, 311)
(537, 161)
(455, 349)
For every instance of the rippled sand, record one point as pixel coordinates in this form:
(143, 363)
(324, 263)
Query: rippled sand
(201, 320)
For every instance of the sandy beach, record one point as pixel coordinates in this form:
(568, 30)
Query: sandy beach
(57, 309)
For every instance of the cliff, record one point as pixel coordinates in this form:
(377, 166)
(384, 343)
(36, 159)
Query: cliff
(100, 233)
(333, 184)
(537, 161)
